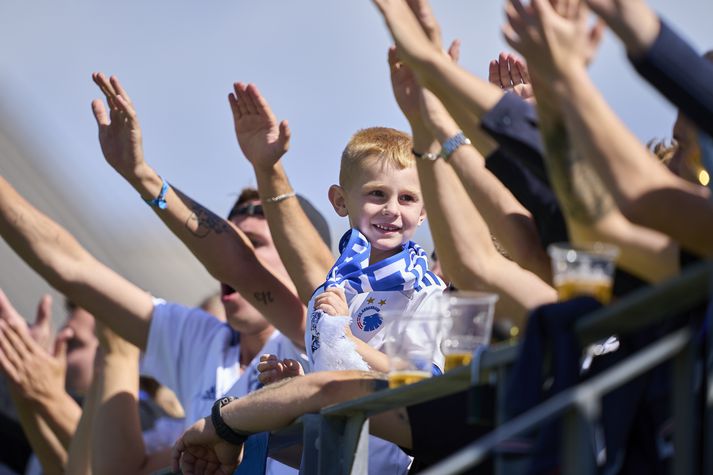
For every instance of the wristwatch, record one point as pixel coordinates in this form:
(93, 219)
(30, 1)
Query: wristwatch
(223, 430)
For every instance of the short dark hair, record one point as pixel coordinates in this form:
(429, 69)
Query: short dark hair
(315, 217)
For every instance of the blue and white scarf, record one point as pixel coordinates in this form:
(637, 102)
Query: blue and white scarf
(405, 272)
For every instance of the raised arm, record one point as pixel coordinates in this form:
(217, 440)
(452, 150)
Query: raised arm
(662, 57)
(462, 237)
(264, 142)
(120, 449)
(646, 192)
(222, 248)
(48, 415)
(509, 221)
(54, 254)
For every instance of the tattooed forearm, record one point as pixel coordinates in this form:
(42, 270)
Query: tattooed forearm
(581, 193)
(202, 221)
(264, 297)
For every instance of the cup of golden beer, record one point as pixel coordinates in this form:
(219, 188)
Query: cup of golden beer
(467, 325)
(410, 344)
(583, 270)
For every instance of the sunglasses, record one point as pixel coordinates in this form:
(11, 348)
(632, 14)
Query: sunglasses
(246, 210)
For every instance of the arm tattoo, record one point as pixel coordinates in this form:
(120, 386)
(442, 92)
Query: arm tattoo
(264, 297)
(202, 221)
(581, 193)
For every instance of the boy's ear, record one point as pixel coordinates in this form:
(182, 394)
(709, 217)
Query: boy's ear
(422, 216)
(336, 197)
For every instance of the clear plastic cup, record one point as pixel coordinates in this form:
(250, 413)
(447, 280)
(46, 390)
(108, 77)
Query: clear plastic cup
(467, 325)
(583, 270)
(410, 343)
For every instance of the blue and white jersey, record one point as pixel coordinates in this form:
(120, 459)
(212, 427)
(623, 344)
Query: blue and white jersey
(401, 283)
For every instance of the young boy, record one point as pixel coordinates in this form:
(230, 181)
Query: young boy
(380, 269)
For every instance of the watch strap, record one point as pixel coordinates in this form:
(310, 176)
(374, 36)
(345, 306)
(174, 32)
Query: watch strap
(223, 430)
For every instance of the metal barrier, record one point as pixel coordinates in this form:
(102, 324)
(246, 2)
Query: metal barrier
(334, 441)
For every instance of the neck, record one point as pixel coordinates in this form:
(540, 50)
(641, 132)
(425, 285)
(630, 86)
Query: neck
(250, 345)
(378, 255)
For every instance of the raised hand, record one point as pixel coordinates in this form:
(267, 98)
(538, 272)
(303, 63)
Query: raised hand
(272, 369)
(119, 130)
(413, 42)
(262, 140)
(32, 371)
(510, 73)
(554, 38)
(199, 451)
(632, 20)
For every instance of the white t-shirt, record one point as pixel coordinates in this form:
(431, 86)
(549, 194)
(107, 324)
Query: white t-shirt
(198, 357)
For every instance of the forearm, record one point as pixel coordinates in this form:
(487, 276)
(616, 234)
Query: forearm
(376, 360)
(302, 250)
(57, 256)
(646, 192)
(61, 414)
(120, 450)
(51, 453)
(80, 449)
(465, 247)
(510, 222)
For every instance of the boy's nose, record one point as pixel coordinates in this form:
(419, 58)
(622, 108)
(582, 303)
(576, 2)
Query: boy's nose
(391, 207)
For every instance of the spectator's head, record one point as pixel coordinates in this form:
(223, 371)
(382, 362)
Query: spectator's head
(247, 214)
(686, 162)
(81, 348)
(379, 189)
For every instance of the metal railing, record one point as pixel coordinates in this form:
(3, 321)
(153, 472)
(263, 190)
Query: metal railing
(334, 441)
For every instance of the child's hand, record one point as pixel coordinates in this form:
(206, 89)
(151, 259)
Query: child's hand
(332, 302)
(273, 370)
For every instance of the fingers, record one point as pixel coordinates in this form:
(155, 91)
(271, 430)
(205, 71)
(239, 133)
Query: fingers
(285, 133)
(393, 58)
(515, 75)
(44, 312)
(494, 73)
(424, 15)
(114, 81)
(258, 102)
(454, 50)
(12, 358)
(99, 112)
(522, 70)
(176, 452)
(8, 312)
(240, 99)
(60, 343)
(106, 88)
(293, 367)
(505, 80)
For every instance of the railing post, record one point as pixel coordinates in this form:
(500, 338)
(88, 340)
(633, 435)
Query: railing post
(344, 445)
(578, 443)
(310, 444)
(684, 422)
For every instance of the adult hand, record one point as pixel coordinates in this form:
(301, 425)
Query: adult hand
(199, 451)
(271, 369)
(119, 130)
(262, 140)
(554, 38)
(632, 20)
(510, 73)
(332, 301)
(41, 330)
(32, 371)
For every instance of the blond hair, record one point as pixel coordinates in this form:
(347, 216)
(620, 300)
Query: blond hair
(390, 145)
(662, 149)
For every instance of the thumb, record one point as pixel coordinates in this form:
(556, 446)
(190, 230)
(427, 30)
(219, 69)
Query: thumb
(44, 312)
(454, 50)
(60, 343)
(285, 134)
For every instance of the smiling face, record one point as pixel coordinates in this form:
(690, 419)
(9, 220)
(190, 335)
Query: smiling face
(384, 202)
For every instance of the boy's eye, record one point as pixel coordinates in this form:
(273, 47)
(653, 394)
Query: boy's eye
(377, 193)
(409, 198)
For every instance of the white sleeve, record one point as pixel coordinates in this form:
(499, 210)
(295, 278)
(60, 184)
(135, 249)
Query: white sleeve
(178, 343)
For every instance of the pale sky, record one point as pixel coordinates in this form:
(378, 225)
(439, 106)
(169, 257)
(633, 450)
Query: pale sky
(321, 64)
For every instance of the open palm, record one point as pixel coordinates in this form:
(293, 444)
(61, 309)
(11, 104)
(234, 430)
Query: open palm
(261, 138)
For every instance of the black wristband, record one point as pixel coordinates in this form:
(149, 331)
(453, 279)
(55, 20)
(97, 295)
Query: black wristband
(221, 428)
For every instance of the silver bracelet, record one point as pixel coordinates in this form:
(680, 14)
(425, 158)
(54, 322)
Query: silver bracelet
(278, 198)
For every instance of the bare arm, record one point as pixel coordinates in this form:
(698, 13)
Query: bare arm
(590, 210)
(80, 449)
(54, 254)
(121, 449)
(48, 415)
(222, 248)
(644, 190)
(264, 141)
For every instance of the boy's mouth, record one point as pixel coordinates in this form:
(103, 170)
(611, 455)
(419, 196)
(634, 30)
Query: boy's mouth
(386, 228)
